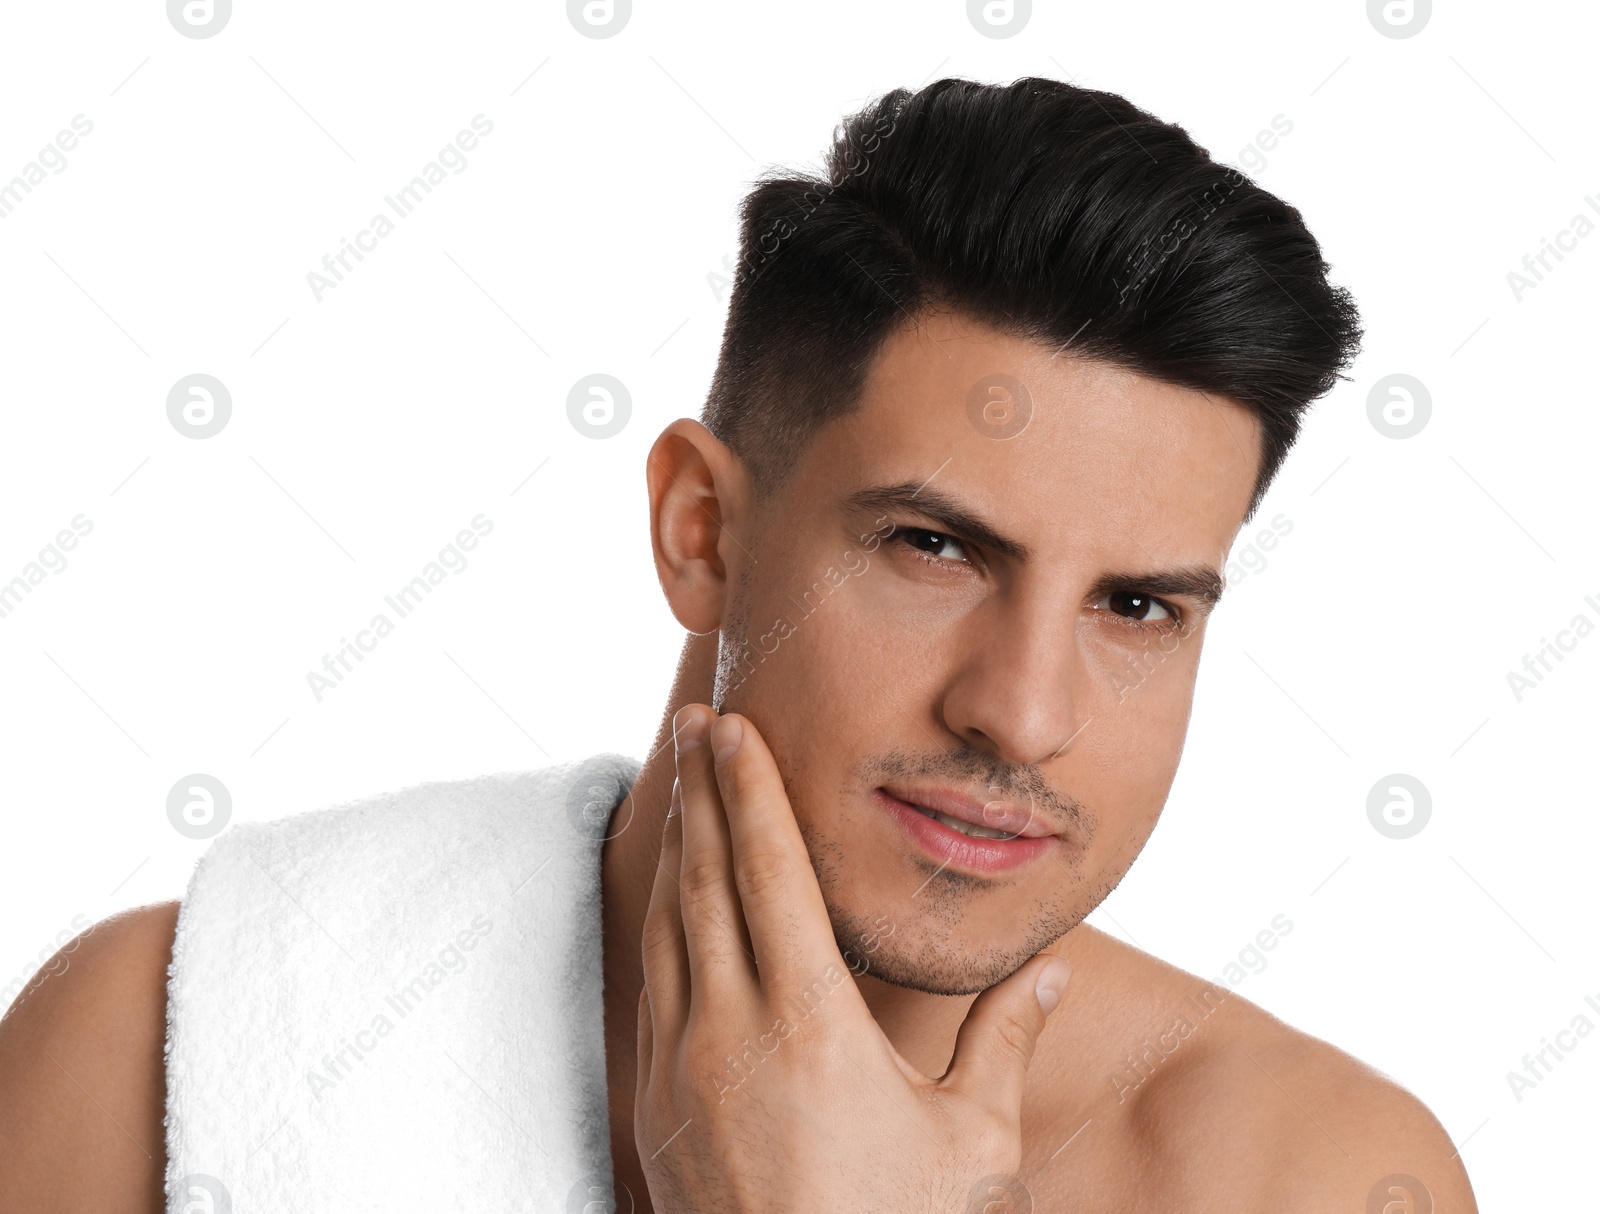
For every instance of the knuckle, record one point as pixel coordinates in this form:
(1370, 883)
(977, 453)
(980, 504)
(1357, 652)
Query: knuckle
(715, 945)
(994, 1140)
(981, 1129)
(709, 933)
(1013, 1038)
(703, 1056)
(763, 874)
(659, 934)
(742, 780)
(701, 875)
(715, 1067)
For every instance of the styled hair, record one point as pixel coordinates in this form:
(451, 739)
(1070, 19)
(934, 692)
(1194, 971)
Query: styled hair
(1056, 213)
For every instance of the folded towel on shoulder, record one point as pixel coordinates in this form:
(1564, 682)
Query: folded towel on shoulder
(395, 1003)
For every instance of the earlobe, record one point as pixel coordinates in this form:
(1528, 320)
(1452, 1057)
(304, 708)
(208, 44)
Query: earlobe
(698, 492)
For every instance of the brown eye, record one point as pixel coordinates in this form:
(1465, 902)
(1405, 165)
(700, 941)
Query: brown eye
(1135, 606)
(933, 544)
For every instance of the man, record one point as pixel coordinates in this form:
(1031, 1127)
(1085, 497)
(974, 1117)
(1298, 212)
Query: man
(995, 397)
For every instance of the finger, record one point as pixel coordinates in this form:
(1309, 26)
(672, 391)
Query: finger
(782, 905)
(666, 953)
(720, 960)
(644, 1043)
(996, 1041)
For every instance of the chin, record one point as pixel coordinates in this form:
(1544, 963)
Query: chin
(936, 971)
(949, 934)
(927, 949)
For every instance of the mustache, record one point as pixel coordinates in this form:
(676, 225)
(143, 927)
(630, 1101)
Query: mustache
(1022, 785)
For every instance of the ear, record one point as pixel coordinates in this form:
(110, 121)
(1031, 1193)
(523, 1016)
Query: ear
(700, 498)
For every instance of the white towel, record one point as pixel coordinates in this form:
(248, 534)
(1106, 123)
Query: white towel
(395, 1004)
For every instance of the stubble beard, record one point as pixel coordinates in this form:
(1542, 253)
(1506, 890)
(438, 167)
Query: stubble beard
(914, 949)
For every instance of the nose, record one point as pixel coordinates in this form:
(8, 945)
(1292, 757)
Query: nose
(1016, 696)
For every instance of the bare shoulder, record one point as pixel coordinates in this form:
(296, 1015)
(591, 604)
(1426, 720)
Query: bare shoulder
(1297, 1122)
(1336, 1130)
(82, 1078)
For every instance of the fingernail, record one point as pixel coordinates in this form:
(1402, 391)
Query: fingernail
(688, 729)
(725, 736)
(675, 802)
(1052, 982)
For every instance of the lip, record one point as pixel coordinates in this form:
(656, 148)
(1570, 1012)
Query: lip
(956, 850)
(996, 815)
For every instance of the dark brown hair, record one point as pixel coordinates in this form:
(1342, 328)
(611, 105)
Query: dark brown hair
(1053, 212)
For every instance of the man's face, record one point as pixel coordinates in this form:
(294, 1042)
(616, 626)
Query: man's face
(1043, 673)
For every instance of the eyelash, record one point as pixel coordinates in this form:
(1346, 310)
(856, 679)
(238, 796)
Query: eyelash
(1173, 622)
(899, 533)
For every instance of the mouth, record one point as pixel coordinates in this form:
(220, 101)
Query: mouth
(961, 833)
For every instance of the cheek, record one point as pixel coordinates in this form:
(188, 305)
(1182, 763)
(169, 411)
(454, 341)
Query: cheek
(1125, 667)
(1145, 730)
(851, 674)
(833, 687)
(847, 634)
(1139, 701)
(797, 680)
(1124, 781)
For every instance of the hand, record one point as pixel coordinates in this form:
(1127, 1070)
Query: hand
(765, 1084)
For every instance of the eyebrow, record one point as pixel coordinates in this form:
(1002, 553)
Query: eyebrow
(942, 507)
(1194, 581)
(1199, 582)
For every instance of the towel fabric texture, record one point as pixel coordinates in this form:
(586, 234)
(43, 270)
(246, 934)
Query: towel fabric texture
(395, 1004)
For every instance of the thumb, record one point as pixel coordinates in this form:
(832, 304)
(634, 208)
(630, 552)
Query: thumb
(996, 1040)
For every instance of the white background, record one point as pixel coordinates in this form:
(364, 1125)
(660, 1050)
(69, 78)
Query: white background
(585, 235)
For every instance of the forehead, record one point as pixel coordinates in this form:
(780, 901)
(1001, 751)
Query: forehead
(1053, 448)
